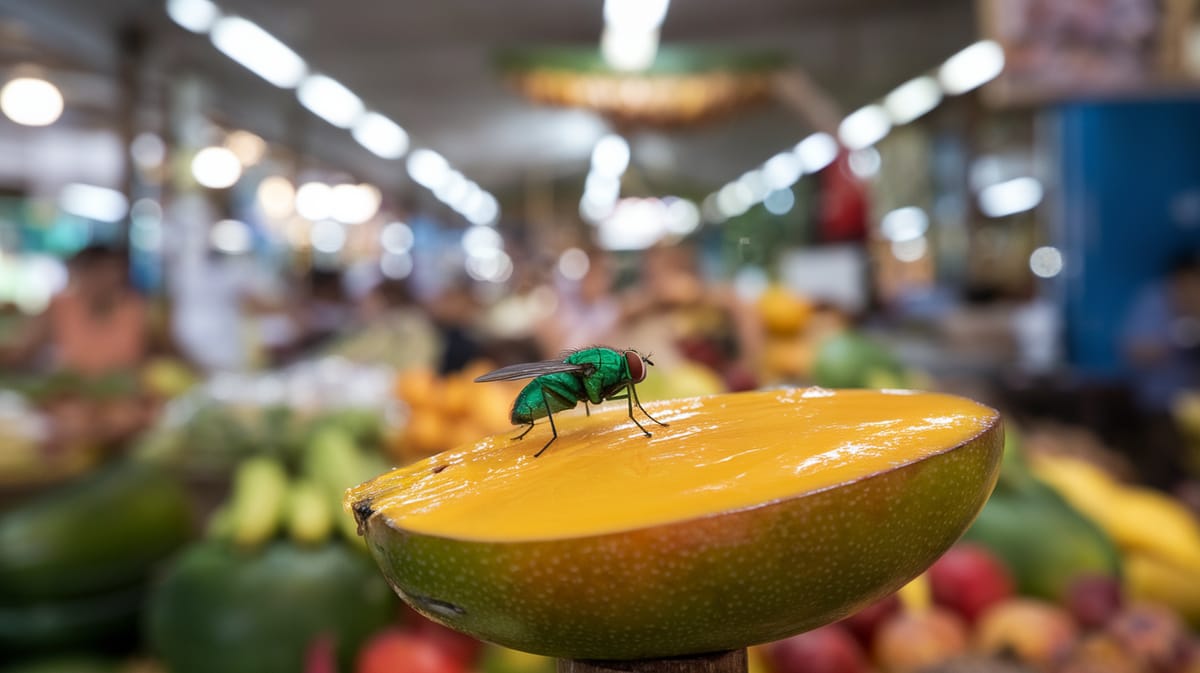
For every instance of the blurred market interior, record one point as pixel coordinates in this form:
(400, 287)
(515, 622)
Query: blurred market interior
(222, 221)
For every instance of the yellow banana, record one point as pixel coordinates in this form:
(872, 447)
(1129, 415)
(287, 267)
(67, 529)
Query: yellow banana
(1137, 519)
(1151, 578)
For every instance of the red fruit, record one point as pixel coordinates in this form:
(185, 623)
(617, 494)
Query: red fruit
(394, 651)
(968, 579)
(1035, 632)
(910, 641)
(829, 649)
(463, 648)
(321, 656)
(1094, 599)
(864, 623)
(1154, 635)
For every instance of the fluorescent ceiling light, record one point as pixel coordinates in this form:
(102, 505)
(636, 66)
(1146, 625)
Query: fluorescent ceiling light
(864, 127)
(31, 101)
(1010, 197)
(782, 170)
(231, 236)
(912, 99)
(610, 156)
(480, 241)
(904, 224)
(454, 188)
(216, 167)
(354, 204)
(972, 67)
(628, 50)
(755, 184)
(734, 199)
(197, 16)
(636, 224)
(682, 216)
(641, 15)
(314, 201)
(94, 203)
(427, 168)
(382, 136)
(330, 100)
(485, 212)
(816, 151)
(258, 51)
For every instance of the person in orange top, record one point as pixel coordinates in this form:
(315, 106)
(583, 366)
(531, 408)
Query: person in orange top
(95, 326)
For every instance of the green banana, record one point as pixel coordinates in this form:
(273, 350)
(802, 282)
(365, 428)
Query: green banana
(260, 487)
(309, 517)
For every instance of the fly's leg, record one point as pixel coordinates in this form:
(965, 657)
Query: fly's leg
(629, 403)
(549, 415)
(522, 435)
(639, 406)
(587, 410)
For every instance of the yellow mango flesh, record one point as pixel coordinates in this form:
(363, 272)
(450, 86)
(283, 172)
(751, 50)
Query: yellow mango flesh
(752, 517)
(719, 453)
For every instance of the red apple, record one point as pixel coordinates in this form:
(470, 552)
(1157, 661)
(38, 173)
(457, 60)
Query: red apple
(913, 640)
(1094, 599)
(864, 623)
(394, 650)
(829, 649)
(969, 579)
(1037, 633)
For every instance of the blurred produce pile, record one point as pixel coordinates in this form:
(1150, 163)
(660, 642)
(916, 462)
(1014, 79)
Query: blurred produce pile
(1067, 569)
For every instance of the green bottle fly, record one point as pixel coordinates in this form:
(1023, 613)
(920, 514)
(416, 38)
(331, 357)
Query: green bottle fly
(588, 375)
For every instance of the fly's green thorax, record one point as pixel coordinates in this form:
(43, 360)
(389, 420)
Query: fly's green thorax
(611, 370)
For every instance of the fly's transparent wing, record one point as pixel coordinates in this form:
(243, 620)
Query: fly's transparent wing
(529, 370)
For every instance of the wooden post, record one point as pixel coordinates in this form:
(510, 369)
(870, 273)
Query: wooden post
(724, 662)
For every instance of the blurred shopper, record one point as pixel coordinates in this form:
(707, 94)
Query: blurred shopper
(588, 310)
(1161, 343)
(96, 326)
(213, 298)
(455, 311)
(676, 315)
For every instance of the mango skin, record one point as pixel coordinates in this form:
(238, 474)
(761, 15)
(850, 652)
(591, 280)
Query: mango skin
(709, 584)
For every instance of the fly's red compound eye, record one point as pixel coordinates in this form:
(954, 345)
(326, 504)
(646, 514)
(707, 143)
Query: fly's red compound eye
(637, 368)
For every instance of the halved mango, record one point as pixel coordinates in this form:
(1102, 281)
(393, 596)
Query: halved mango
(752, 517)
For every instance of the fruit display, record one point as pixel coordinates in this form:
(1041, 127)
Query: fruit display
(929, 625)
(221, 609)
(852, 360)
(792, 326)
(727, 555)
(233, 416)
(1159, 537)
(1045, 542)
(445, 411)
(75, 562)
(282, 562)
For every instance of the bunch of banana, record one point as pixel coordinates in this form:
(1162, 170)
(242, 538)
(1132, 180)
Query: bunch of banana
(1158, 536)
(266, 501)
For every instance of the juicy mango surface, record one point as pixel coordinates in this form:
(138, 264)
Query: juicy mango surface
(752, 517)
